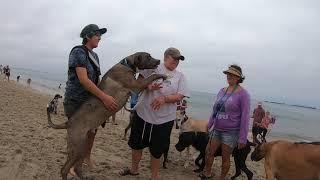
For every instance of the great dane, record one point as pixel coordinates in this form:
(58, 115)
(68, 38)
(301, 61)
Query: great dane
(118, 82)
(289, 161)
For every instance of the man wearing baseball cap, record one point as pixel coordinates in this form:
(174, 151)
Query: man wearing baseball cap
(156, 112)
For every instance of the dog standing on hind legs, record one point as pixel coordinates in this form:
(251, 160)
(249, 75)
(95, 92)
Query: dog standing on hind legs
(118, 82)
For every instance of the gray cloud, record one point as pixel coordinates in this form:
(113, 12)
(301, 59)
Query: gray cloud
(276, 42)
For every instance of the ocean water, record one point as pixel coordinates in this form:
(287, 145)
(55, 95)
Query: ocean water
(292, 122)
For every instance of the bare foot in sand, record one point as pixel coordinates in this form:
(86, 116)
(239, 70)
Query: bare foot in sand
(89, 162)
(72, 172)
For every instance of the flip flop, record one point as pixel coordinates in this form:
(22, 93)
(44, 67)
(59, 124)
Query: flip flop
(126, 171)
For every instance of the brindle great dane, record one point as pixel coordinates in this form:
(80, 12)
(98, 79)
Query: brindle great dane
(118, 82)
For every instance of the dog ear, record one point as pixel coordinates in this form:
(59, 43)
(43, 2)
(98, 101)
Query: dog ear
(135, 59)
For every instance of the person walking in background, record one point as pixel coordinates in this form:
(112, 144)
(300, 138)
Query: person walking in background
(266, 120)
(155, 113)
(1, 68)
(229, 122)
(29, 81)
(258, 114)
(83, 78)
(59, 86)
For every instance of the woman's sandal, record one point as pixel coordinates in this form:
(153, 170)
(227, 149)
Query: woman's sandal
(204, 177)
(126, 171)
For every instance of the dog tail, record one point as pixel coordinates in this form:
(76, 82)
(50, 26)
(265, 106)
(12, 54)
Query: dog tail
(55, 126)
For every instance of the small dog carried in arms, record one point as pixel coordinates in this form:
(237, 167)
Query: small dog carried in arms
(52, 107)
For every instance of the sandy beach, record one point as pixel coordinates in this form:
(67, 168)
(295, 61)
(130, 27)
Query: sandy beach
(31, 150)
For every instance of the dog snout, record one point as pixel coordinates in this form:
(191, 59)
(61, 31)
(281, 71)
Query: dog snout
(157, 62)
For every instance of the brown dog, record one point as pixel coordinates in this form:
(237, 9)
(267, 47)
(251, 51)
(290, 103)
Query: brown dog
(289, 161)
(118, 82)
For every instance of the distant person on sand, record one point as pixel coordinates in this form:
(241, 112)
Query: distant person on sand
(59, 86)
(18, 78)
(229, 122)
(83, 78)
(258, 114)
(29, 81)
(1, 68)
(155, 113)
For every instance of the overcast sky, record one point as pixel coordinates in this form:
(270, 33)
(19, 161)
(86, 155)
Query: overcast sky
(276, 42)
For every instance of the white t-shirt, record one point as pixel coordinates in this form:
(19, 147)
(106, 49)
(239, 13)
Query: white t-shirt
(176, 83)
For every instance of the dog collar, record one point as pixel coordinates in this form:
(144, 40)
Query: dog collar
(127, 64)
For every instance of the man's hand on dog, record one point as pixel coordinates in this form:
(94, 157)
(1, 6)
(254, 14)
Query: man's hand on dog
(154, 86)
(110, 103)
(158, 102)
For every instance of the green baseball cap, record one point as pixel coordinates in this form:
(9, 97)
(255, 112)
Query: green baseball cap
(92, 29)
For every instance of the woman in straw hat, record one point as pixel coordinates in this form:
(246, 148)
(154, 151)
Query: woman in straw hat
(229, 122)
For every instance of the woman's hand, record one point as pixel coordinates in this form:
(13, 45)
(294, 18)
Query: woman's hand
(158, 102)
(154, 86)
(241, 145)
(109, 102)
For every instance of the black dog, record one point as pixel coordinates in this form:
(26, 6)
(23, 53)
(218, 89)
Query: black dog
(53, 104)
(199, 141)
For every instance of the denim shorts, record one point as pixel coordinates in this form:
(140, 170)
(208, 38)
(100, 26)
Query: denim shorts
(229, 138)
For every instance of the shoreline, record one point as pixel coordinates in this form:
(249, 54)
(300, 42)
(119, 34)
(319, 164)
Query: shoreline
(50, 92)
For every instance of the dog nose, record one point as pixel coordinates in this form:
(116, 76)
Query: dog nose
(158, 62)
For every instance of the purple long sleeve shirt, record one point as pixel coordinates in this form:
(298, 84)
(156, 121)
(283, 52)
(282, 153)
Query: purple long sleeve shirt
(234, 115)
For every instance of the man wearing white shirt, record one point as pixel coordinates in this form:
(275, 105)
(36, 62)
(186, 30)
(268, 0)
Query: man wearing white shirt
(156, 112)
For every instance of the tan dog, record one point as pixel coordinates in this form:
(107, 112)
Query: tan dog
(118, 82)
(289, 161)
